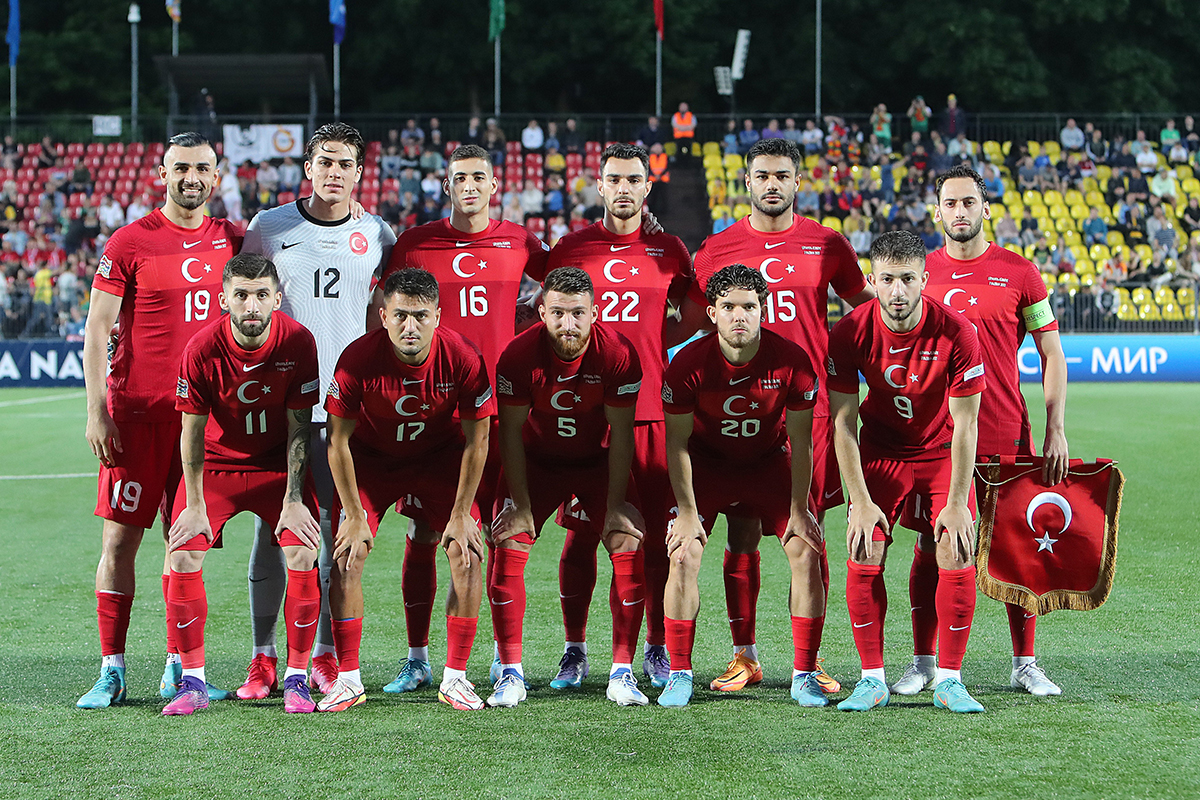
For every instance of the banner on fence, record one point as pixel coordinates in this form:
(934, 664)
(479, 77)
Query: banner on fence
(41, 363)
(1120, 357)
(257, 143)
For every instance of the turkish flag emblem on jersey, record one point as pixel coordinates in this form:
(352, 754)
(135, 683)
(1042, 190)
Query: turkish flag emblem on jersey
(1046, 548)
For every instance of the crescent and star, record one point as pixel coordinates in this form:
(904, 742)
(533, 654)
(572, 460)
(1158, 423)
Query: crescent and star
(1053, 499)
(612, 278)
(458, 258)
(187, 262)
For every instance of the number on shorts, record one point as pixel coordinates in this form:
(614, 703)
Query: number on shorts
(127, 498)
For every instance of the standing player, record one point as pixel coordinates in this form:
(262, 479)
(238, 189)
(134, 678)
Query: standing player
(159, 276)
(562, 385)
(636, 276)
(328, 264)
(924, 373)
(478, 263)
(739, 434)
(246, 389)
(409, 415)
(1003, 296)
(800, 259)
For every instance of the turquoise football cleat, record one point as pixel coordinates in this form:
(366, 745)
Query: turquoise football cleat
(953, 696)
(806, 690)
(868, 693)
(678, 692)
(108, 690)
(414, 673)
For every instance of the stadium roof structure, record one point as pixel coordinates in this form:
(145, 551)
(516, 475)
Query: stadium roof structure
(263, 77)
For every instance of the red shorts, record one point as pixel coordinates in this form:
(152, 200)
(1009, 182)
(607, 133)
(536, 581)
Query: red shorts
(228, 493)
(896, 486)
(485, 495)
(551, 485)
(917, 518)
(826, 490)
(761, 490)
(423, 489)
(142, 481)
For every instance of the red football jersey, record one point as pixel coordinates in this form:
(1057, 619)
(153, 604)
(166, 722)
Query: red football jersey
(479, 276)
(633, 276)
(168, 278)
(567, 398)
(739, 409)
(910, 376)
(246, 393)
(799, 264)
(407, 411)
(996, 292)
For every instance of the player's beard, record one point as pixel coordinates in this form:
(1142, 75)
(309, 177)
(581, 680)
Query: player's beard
(961, 236)
(625, 212)
(789, 199)
(739, 338)
(902, 314)
(568, 348)
(251, 327)
(190, 203)
(410, 347)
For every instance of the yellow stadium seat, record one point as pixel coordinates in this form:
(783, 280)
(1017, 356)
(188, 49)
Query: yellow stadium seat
(998, 210)
(1079, 211)
(1127, 312)
(833, 223)
(719, 212)
(1006, 147)
(1164, 294)
(1186, 295)
(1103, 173)
(1100, 252)
(1072, 239)
(1065, 225)
(1149, 312)
(1190, 185)
(865, 265)
(1032, 197)
(1183, 172)
(1077, 250)
(1073, 197)
(711, 148)
(1123, 295)
(1048, 279)
(1016, 248)
(1144, 251)
(1171, 312)
(1044, 222)
(1141, 295)
(1052, 197)
(876, 173)
(1069, 279)
(714, 174)
(1090, 184)
(1035, 148)
(669, 148)
(899, 171)
(712, 160)
(1086, 281)
(1084, 266)
(731, 173)
(1189, 312)
(741, 210)
(811, 160)
(734, 161)
(1094, 198)
(1116, 238)
(1058, 210)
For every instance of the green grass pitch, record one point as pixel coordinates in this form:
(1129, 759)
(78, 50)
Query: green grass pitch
(1127, 724)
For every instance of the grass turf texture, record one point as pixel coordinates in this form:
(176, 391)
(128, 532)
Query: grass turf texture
(1127, 724)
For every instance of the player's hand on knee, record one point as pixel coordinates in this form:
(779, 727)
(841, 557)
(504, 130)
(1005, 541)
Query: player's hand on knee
(463, 531)
(512, 521)
(192, 522)
(296, 518)
(353, 541)
(955, 521)
(860, 532)
(103, 437)
(682, 531)
(806, 528)
(626, 519)
(1055, 458)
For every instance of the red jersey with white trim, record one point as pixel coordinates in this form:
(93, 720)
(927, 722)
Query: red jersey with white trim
(633, 275)
(739, 409)
(799, 264)
(1000, 293)
(567, 398)
(479, 276)
(910, 376)
(406, 411)
(168, 279)
(247, 393)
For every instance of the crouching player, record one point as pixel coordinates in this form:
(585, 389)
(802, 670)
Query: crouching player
(247, 386)
(562, 385)
(924, 373)
(739, 411)
(409, 407)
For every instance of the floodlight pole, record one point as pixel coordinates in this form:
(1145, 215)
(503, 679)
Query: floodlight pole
(818, 49)
(658, 76)
(135, 16)
(496, 80)
(174, 38)
(337, 82)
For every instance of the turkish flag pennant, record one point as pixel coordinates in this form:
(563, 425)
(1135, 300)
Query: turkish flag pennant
(1046, 548)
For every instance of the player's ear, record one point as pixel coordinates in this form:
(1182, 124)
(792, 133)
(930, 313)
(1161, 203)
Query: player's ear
(987, 210)
(278, 300)
(307, 169)
(223, 302)
(712, 314)
(437, 316)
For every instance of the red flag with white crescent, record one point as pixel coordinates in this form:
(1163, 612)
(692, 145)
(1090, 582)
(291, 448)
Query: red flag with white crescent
(1047, 548)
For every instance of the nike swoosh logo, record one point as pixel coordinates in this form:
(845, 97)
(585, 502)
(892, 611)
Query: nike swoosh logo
(1030, 616)
(410, 383)
(562, 378)
(831, 494)
(773, 246)
(963, 628)
(185, 624)
(414, 605)
(306, 624)
(249, 367)
(189, 245)
(616, 248)
(865, 624)
(634, 603)
(506, 602)
(257, 580)
(285, 246)
(916, 608)
(566, 596)
(735, 619)
(463, 244)
(955, 276)
(732, 382)
(894, 350)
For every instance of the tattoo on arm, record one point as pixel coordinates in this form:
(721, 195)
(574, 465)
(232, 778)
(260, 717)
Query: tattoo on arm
(298, 444)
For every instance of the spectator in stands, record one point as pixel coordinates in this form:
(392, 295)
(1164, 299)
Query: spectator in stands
(1095, 229)
(857, 229)
(67, 286)
(807, 200)
(1140, 144)
(83, 227)
(41, 318)
(1071, 137)
(494, 142)
(431, 187)
(876, 152)
(940, 160)
(390, 163)
(552, 139)
(230, 191)
(555, 161)
(1164, 186)
(110, 214)
(9, 158)
(474, 134)
(1134, 226)
(140, 207)
(1160, 232)
(1168, 136)
(1138, 189)
(554, 203)
(290, 175)
(960, 148)
(729, 145)
(881, 125)
(412, 135)
(919, 113)
(435, 129)
(572, 139)
(410, 182)
(931, 235)
(993, 182)
(1154, 274)
(1191, 137)
(1191, 216)
(1179, 154)
(1029, 228)
(747, 136)
(791, 132)
(914, 141)
(389, 208)
(1005, 230)
(660, 166)
(1121, 158)
(812, 138)
(432, 161)
(267, 179)
(20, 301)
(512, 209)
(1064, 259)
(533, 138)
(81, 179)
(683, 128)
(1147, 161)
(532, 200)
(918, 160)
(1042, 255)
(1097, 147)
(48, 153)
(772, 130)
(651, 133)
(954, 119)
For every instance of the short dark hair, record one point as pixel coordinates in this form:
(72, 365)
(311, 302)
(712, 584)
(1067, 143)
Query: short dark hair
(336, 132)
(188, 139)
(962, 171)
(898, 247)
(775, 147)
(736, 276)
(625, 151)
(568, 280)
(251, 266)
(412, 282)
(465, 151)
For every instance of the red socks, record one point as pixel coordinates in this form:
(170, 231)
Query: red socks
(347, 639)
(577, 582)
(681, 636)
(806, 639)
(742, 582)
(301, 607)
(955, 610)
(460, 637)
(922, 590)
(418, 586)
(866, 598)
(187, 611)
(172, 646)
(627, 601)
(657, 568)
(112, 617)
(508, 602)
(1023, 628)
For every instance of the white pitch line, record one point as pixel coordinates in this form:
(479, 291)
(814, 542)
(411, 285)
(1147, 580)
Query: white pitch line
(44, 399)
(48, 477)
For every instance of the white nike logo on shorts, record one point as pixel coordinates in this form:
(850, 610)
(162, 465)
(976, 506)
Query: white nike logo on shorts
(506, 602)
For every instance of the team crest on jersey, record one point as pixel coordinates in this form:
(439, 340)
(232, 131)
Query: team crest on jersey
(503, 385)
(358, 243)
(334, 392)
(181, 388)
(829, 365)
(974, 372)
(311, 386)
(667, 395)
(105, 266)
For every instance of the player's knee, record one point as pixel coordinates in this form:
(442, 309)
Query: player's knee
(120, 542)
(949, 556)
(689, 559)
(299, 558)
(621, 543)
(187, 560)
(878, 554)
(801, 555)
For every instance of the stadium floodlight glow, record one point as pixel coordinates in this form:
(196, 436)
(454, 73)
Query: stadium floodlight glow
(135, 14)
(740, 50)
(724, 81)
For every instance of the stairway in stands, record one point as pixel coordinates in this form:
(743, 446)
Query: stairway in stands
(685, 213)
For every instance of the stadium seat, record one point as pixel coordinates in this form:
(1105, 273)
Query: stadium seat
(1149, 312)
(1086, 281)
(1171, 312)
(1084, 266)
(1144, 251)
(740, 210)
(1049, 280)
(1183, 172)
(1016, 248)
(1052, 197)
(1079, 211)
(1116, 238)
(1164, 295)
(865, 265)
(1072, 238)
(733, 161)
(1186, 296)
(1100, 252)
(1127, 312)
(711, 148)
(1035, 148)
(1141, 295)
(1032, 197)
(713, 161)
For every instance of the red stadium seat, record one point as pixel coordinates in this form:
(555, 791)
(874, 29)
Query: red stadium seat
(114, 148)
(135, 148)
(593, 148)
(574, 160)
(75, 150)
(513, 149)
(305, 187)
(111, 161)
(450, 148)
(95, 149)
(578, 224)
(286, 197)
(391, 185)
(495, 200)
(536, 225)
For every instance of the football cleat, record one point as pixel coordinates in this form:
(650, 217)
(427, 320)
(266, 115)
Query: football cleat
(460, 694)
(109, 689)
(261, 678)
(296, 699)
(342, 695)
(192, 697)
(678, 692)
(168, 686)
(740, 673)
(868, 693)
(657, 665)
(509, 690)
(216, 694)
(807, 691)
(496, 671)
(916, 679)
(324, 672)
(623, 689)
(829, 684)
(572, 669)
(952, 695)
(1032, 679)
(414, 673)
